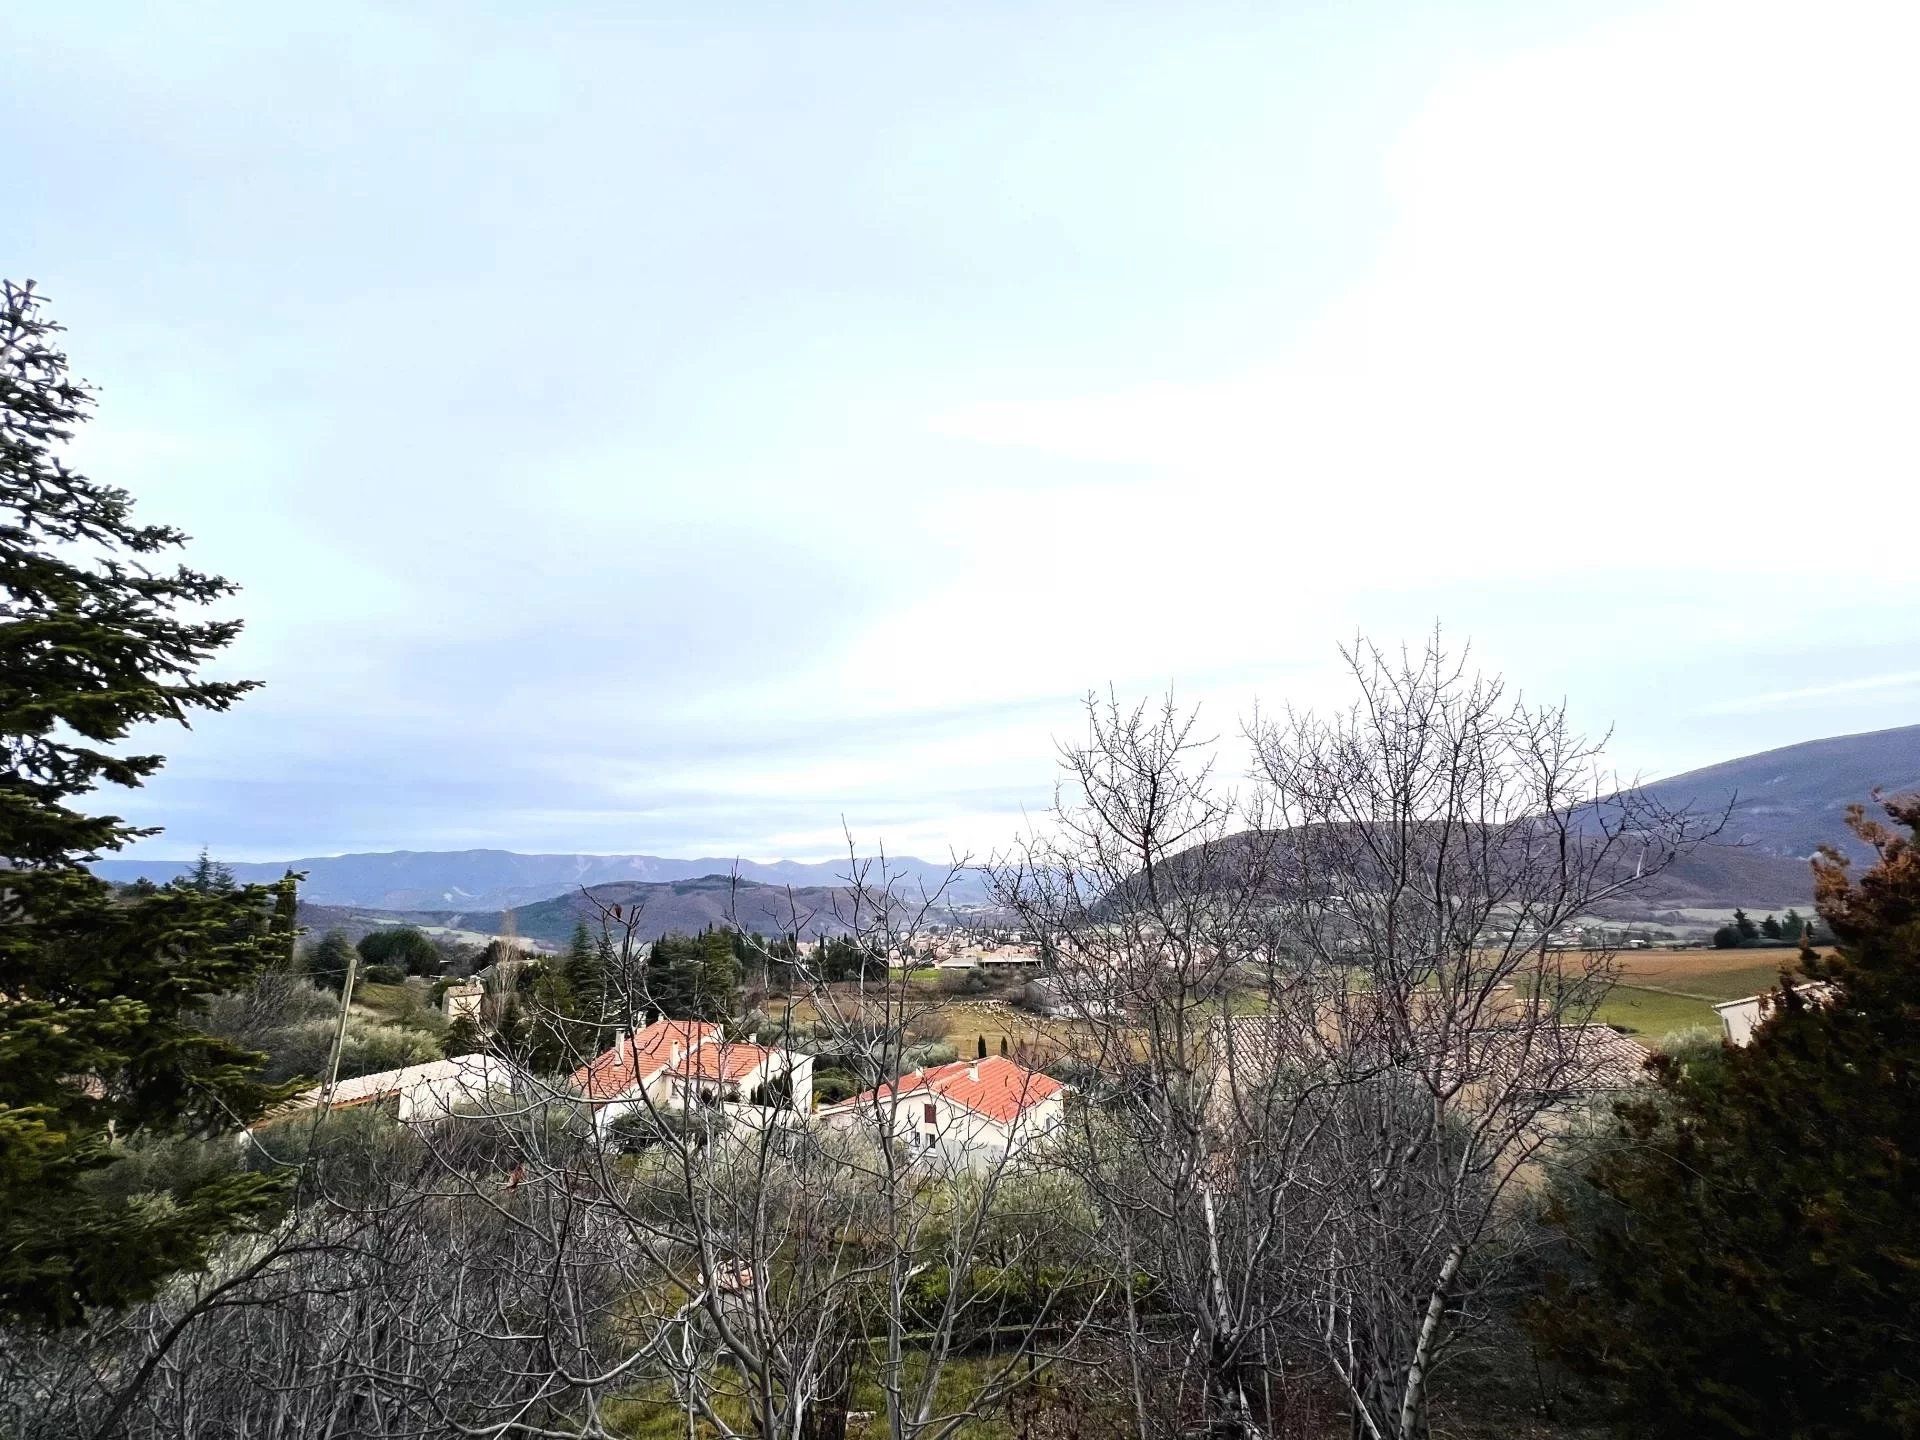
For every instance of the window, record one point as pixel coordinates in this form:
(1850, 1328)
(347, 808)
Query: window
(928, 1112)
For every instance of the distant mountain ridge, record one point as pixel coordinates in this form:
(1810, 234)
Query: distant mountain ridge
(1784, 804)
(1788, 802)
(494, 880)
(678, 907)
(670, 907)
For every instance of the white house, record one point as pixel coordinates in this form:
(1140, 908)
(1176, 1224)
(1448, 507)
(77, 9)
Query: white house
(672, 1064)
(466, 998)
(632, 1075)
(969, 1114)
(432, 1091)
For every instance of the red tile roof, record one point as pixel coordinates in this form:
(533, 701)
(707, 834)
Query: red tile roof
(630, 1063)
(721, 1061)
(996, 1087)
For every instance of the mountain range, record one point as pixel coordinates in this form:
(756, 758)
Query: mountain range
(672, 907)
(1781, 805)
(1789, 802)
(480, 880)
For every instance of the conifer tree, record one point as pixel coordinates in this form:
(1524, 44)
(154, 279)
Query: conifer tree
(284, 926)
(98, 992)
(462, 1037)
(208, 876)
(329, 961)
(1754, 1235)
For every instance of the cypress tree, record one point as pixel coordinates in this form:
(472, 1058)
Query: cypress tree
(98, 992)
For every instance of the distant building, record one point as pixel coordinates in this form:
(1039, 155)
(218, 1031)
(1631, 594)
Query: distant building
(1078, 996)
(466, 998)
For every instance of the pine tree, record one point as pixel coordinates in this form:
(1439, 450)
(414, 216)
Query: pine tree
(97, 991)
(1755, 1231)
(717, 986)
(463, 1037)
(208, 876)
(1770, 928)
(1743, 923)
(285, 926)
(329, 962)
(980, 1051)
(512, 1034)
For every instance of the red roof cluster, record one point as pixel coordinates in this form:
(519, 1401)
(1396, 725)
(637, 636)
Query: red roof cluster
(998, 1088)
(638, 1058)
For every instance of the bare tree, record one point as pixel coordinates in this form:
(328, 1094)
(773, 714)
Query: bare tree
(1151, 894)
(1438, 837)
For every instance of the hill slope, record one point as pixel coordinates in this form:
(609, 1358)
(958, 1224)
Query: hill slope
(1781, 806)
(1789, 801)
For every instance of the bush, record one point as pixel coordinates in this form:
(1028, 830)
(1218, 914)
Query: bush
(832, 1086)
(640, 1130)
(405, 948)
(918, 1057)
(386, 975)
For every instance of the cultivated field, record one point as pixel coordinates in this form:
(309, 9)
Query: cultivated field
(1661, 991)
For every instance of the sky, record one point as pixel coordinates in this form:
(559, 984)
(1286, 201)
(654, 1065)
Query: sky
(711, 430)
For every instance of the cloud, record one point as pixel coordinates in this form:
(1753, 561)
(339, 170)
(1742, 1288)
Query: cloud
(1908, 680)
(1643, 290)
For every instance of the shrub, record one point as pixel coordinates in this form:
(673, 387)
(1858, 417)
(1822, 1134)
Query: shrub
(832, 1086)
(386, 975)
(640, 1130)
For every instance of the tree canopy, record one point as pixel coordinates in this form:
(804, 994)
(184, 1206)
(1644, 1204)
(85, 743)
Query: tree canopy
(98, 991)
(1753, 1234)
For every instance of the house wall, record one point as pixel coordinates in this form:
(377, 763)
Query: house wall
(960, 1138)
(470, 1081)
(1740, 1018)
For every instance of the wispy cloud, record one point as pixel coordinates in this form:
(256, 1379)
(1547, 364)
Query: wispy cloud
(1808, 694)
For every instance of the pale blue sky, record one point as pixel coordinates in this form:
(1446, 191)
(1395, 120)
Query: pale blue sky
(678, 428)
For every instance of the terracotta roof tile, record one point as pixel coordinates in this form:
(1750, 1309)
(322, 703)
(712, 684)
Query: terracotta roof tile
(721, 1061)
(998, 1088)
(613, 1073)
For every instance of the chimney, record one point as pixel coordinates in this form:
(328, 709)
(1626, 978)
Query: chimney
(973, 1071)
(673, 1055)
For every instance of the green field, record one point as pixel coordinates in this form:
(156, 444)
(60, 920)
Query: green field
(1662, 991)
(1651, 1014)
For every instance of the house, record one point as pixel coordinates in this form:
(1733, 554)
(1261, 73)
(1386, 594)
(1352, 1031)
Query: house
(1008, 960)
(632, 1074)
(1075, 996)
(673, 1064)
(1740, 1018)
(969, 1114)
(736, 1072)
(466, 998)
(432, 1091)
